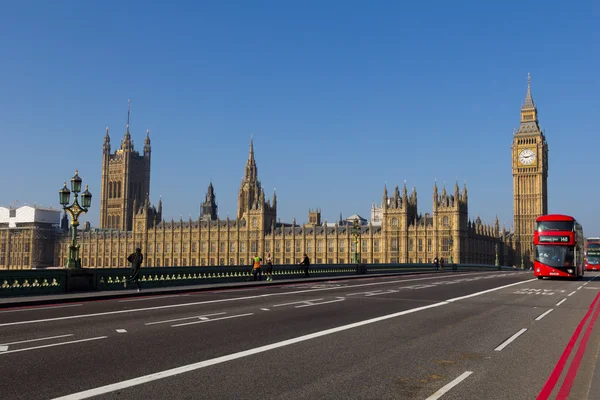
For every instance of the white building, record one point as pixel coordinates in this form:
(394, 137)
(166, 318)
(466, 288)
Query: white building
(29, 214)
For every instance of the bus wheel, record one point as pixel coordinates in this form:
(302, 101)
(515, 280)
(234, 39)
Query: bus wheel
(540, 277)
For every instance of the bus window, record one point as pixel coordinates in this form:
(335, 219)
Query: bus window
(554, 226)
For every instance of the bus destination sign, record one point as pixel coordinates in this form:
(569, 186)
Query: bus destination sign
(554, 239)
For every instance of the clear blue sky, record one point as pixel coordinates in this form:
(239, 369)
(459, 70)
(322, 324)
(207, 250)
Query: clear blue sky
(341, 97)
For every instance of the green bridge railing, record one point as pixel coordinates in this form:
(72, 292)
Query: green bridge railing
(57, 281)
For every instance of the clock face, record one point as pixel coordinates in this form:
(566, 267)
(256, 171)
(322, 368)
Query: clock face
(527, 157)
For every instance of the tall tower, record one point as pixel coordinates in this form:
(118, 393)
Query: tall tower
(125, 180)
(252, 206)
(530, 177)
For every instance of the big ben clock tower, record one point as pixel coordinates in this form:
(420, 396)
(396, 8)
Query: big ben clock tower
(530, 178)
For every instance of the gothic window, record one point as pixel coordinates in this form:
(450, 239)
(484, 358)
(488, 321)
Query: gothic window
(194, 246)
(231, 261)
(394, 222)
(254, 222)
(149, 248)
(309, 246)
(298, 245)
(376, 246)
(213, 246)
(365, 246)
(330, 247)
(158, 248)
(268, 246)
(445, 221)
(222, 247)
(203, 247)
(176, 248)
(242, 247)
(445, 244)
(342, 245)
(232, 247)
(278, 246)
(411, 244)
(395, 244)
(420, 248)
(167, 248)
(429, 245)
(185, 248)
(319, 246)
(254, 246)
(288, 246)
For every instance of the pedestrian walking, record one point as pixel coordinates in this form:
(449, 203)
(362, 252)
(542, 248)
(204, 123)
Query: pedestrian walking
(435, 264)
(256, 272)
(269, 268)
(135, 259)
(442, 264)
(305, 263)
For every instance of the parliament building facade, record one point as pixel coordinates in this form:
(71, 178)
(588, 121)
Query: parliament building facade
(400, 234)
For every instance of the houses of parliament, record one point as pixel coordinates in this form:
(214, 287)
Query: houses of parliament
(397, 232)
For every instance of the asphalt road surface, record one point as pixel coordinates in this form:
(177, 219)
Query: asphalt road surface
(474, 335)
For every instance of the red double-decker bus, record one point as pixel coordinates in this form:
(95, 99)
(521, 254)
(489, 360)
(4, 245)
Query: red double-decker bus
(592, 254)
(559, 247)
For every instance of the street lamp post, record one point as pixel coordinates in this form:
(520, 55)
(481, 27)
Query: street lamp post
(74, 210)
(356, 234)
(497, 259)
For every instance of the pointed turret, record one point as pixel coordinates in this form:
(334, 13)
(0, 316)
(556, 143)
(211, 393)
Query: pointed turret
(456, 191)
(160, 206)
(147, 148)
(106, 145)
(127, 143)
(384, 199)
(529, 118)
(496, 227)
(274, 206)
(464, 193)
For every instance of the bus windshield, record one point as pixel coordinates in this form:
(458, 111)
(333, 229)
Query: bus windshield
(555, 256)
(592, 253)
(554, 226)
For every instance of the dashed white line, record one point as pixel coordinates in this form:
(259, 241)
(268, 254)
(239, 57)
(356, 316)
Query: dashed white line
(323, 302)
(296, 302)
(579, 288)
(182, 319)
(560, 302)
(52, 345)
(510, 340)
(571, 294)
(121, 331)
(544, 314)
(211, 320)
(449, 386)
(36, 340)
(40, 308)
(3, 348)
(265, 309)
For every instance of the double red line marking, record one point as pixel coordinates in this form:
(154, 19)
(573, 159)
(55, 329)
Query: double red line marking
(565, 389)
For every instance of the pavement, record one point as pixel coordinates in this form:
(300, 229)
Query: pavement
(131, 291)
(456, 336)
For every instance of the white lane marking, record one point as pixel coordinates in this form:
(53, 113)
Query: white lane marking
(224, 300)
(40, 308)
(3, 348)
(121, 331)
(544, 314)
(296, 302)
(560, 302)
(571, 294)
(373, 293)
(338, 299)
(579, 288)
(36, 340)
(204, 318)
(265, 309)
(157, 297)
(182, 319)
(211, 320)
(207, 363)
(593, 288)
(54, 344)
(449, 386)
(510, 339)
(485, 291)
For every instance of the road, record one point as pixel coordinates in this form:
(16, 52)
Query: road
(470, 335)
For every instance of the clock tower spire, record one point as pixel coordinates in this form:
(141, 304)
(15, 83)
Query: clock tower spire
(530, 178)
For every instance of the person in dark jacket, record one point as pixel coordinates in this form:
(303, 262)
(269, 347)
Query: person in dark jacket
(136, 263)
(305, 263)
(269, 268)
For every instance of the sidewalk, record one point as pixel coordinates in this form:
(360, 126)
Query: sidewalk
(131, 291)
